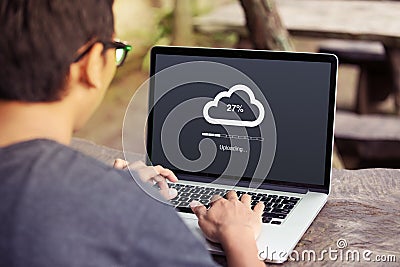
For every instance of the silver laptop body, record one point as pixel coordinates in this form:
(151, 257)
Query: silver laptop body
(305, 151)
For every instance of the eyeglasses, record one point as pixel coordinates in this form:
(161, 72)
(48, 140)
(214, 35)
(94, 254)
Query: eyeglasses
(121, 51)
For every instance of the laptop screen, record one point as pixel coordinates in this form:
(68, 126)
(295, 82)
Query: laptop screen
(258, 115)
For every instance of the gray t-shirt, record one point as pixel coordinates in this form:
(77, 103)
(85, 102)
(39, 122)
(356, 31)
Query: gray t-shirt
(59, 207)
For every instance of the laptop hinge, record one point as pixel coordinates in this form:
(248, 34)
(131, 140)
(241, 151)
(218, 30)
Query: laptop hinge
(291, 189)
(319, 190)
(222, 181)
(283, 188)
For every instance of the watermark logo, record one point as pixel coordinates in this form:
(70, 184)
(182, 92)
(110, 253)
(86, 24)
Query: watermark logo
(200, 113)
(339, 253)
(341, 243)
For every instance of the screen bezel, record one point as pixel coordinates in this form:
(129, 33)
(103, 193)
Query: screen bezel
(253, 54)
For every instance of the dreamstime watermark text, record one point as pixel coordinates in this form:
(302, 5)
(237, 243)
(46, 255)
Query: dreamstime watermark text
(340, 253)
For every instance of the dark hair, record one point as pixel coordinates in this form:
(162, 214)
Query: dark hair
(39, 40)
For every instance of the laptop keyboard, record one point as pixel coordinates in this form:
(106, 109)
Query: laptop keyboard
(277, 206)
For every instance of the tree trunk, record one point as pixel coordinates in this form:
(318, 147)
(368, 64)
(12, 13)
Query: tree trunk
(267, 32)
(265, 27)
(183, 26)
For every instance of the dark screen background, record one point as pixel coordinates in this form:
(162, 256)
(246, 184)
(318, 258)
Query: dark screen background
(298, 94)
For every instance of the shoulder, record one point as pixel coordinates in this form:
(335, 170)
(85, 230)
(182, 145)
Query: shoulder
(71, 204)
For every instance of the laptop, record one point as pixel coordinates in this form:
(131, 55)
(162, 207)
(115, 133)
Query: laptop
(257, 122)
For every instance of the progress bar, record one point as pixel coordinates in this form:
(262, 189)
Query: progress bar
(218, 135)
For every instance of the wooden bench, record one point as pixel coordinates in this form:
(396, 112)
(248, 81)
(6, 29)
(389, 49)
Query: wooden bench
(350, 20)
(375, 82)
(366, 141)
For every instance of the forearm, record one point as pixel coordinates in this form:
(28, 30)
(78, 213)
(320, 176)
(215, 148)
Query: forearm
(240, 249)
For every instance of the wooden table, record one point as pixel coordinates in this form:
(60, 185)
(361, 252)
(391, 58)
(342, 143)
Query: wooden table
(363, 209)
(354, 20)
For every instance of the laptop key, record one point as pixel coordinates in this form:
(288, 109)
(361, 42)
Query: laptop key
(174, 202)
(267, 209)
(194, 190)
(266, 219)
(276, 222)
(184, 199)
(205, 197)
(195, 195)
(289, 207)
(183, 204)
(283, 197)
(279, 216)
(283, 211)
(289, 202)
(185, 189)
(269, 204)
(274, 215)
(184, 194)
(204, 201)
(295, 198)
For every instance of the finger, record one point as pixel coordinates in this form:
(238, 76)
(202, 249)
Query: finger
(161, 182)
(167, 173)
(246, 199)
(146, 173)
(169, 193)
(259, 208)
(231, 195)
(137, 164)
(120, 164)
(215, 198)
(199, 209)
(206, 227)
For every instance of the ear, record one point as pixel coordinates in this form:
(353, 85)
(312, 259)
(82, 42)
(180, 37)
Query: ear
(93, 67)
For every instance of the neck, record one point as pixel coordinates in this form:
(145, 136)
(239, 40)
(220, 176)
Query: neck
(27, 121)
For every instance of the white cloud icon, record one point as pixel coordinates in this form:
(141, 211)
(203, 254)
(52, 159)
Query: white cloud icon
(228, 94)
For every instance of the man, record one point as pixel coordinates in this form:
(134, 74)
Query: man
(59, 207)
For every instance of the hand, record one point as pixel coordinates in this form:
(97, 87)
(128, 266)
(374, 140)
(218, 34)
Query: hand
(227, 218)
(153, 174)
